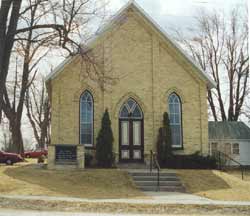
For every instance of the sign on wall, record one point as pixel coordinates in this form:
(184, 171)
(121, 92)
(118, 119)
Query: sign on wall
(66, 154)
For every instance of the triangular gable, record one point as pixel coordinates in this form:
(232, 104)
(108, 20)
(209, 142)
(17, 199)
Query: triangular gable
(112, 23)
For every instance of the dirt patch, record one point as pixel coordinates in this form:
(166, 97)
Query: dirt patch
(123, 207)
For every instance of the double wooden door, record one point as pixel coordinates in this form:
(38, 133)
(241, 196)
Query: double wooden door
(131, 140)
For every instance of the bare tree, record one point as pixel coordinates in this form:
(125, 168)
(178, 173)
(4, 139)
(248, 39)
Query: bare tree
(9, 14)
(45, 26)
(62, 20)
(220, 46)
(38, 112)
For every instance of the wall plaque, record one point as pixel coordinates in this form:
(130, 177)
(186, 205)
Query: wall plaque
(66, 154)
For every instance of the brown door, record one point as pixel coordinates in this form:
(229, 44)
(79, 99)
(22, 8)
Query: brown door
(131, 133)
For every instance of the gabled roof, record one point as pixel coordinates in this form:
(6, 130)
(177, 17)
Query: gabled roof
(132, 4)
(227, 130)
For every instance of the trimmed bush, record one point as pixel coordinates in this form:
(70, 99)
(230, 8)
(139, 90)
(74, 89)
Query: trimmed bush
(193, 161)
(164, 141)
(104, 143)
(88, 159)
(168, 137)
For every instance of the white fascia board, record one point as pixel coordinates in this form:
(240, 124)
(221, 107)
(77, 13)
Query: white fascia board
(59, 68)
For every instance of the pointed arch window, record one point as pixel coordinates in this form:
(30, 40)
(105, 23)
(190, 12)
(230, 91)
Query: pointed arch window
(175, 117)
(131, 109)
(86, 119)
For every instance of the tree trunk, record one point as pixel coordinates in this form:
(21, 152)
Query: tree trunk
(7, 40)
(17, 139)
(212, 106)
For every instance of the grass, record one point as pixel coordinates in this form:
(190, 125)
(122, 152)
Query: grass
(237, 173)
(215, 184)
(29, 179)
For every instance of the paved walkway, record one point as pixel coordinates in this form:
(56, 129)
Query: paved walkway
(13, 212)
(153, 198)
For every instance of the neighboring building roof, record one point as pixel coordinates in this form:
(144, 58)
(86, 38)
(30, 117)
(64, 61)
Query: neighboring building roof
(113, 21)
(228, 130)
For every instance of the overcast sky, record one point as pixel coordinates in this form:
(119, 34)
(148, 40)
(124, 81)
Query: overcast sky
(174, 14)
(178, 13)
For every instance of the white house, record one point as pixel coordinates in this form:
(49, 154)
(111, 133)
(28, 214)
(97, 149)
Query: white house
(231, 138)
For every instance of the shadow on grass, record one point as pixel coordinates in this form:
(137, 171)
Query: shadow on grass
(202, 180)
(91, 183)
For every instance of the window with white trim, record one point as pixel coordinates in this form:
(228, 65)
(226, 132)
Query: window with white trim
(236, 148)
(131, 109)
(175, 117)
(86, 119)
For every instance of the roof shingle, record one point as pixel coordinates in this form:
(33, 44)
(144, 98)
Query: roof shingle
(228, 130)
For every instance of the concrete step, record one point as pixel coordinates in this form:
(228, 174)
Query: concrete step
(162, 188)
(147, 181)
(154, 178)
(152, 174)
(135, 166)
(154, 183)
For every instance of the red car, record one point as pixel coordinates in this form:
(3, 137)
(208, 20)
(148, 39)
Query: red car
(10, 158)
(35, 154)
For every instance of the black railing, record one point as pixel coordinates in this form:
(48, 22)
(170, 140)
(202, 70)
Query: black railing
(154, 163)
(222, 160)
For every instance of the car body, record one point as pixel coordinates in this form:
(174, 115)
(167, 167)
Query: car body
(10, 158)
(36, 154)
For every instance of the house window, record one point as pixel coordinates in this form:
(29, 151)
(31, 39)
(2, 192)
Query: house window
(86, 119)
(213, 147)
(236, 148)
(175, 118)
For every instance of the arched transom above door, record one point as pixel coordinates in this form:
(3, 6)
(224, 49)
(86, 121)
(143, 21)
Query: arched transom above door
(131, 109)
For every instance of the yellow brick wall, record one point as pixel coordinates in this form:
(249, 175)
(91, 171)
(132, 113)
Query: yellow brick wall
(143, 66)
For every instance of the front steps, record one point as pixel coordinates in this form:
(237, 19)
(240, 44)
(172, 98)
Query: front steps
(133, 166)
(147, 181)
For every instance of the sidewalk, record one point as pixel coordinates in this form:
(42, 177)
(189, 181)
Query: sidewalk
(13, 212)
(154, 198)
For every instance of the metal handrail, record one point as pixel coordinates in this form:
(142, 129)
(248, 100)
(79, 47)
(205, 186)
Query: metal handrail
(153, 160)
(231, 159)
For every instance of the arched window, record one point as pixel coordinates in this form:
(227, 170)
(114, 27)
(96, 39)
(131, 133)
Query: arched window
(131, 109)
(86, 119)
(174, 105)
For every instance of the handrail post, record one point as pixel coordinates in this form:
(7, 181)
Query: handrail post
(220, 154)
(219, 161)
(151, 161)
(158, 180)
(242, 174)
